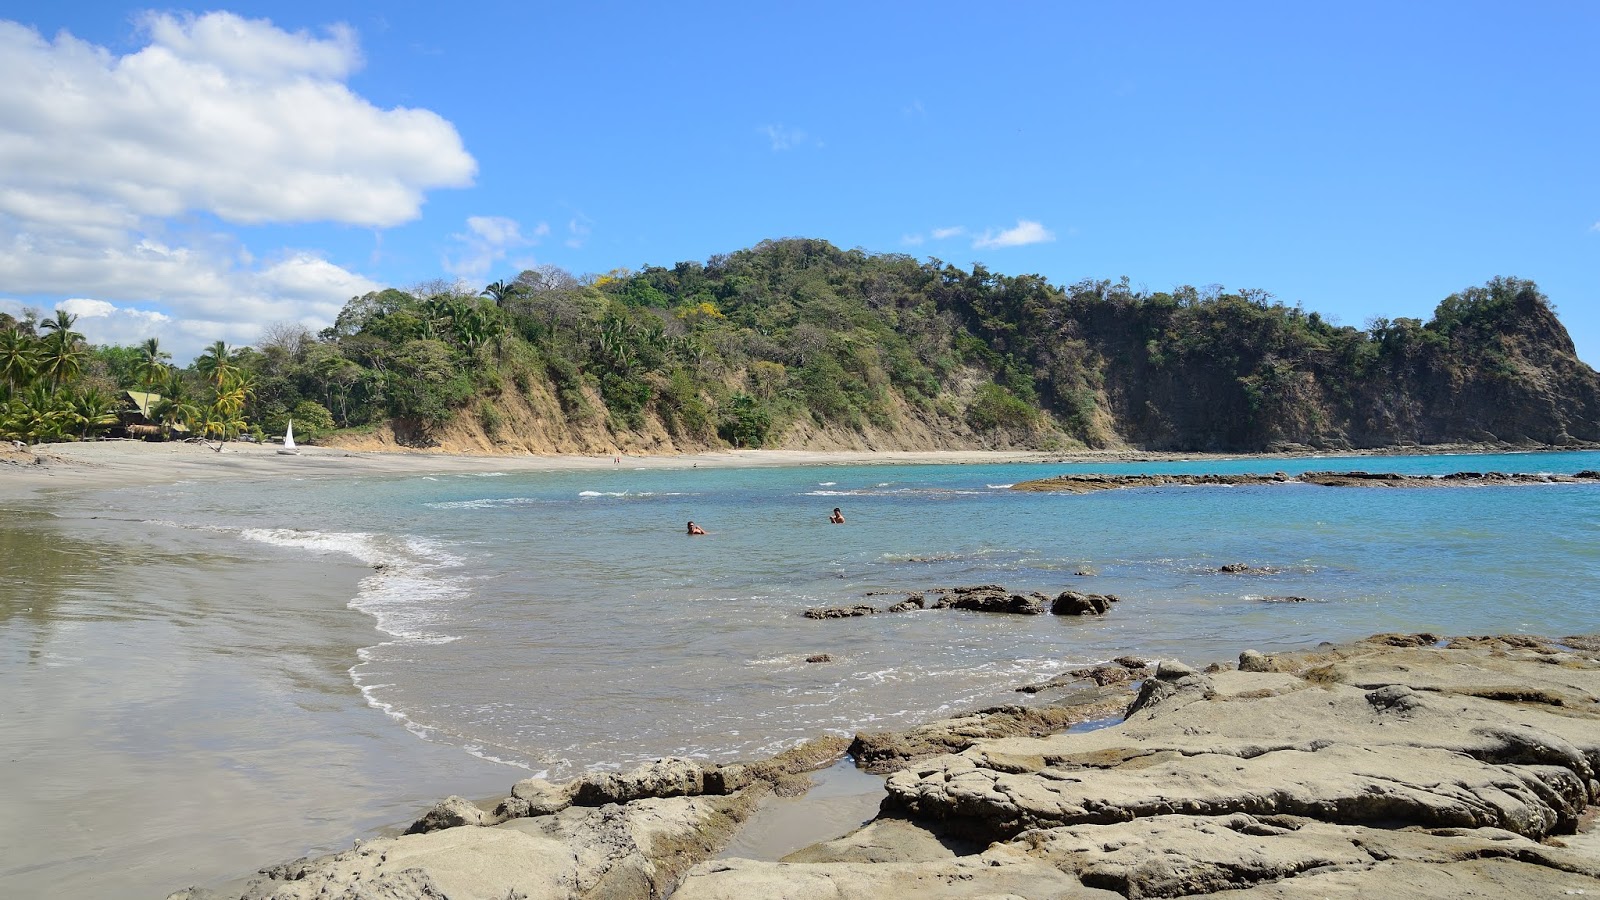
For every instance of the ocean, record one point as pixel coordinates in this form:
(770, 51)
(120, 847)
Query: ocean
(556, 623)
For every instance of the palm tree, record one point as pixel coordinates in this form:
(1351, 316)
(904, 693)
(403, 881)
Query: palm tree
(233, 391)
(19, 358)
(62, 326)
(216, 363)
(93, 409)
(63, 355)
(498, 292)
(41, 413)
(176, 406)
(152, 366)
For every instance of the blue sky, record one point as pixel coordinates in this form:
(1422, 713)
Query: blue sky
(203, 174)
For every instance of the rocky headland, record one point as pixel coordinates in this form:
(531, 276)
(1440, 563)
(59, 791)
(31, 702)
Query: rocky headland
(1089, 483)
(1398, 766)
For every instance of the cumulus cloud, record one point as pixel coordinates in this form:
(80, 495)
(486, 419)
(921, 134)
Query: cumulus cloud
(216, 117)
(1024, 233)
(912, 240)
(488, 240)
(944, 234)
(217, 114)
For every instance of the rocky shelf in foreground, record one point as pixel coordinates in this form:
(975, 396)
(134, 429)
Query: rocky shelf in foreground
(1088, 483)
(1398, 766)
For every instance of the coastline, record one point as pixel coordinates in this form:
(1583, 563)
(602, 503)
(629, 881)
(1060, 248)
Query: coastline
(399, 789)
(102, 464)
(1400, 765)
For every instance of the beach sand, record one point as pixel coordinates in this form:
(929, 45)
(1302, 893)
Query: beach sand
(105, 464)
(177, 709)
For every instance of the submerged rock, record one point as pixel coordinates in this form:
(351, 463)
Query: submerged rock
(839, 612)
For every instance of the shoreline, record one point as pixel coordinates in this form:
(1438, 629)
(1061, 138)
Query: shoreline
(91, 468)
(1396, 765)
(48, 468)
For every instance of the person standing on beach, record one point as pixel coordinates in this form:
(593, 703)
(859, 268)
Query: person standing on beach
(696, 529)
(837, 518)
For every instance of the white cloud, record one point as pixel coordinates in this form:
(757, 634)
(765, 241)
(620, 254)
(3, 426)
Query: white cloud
(1595, 227)
(1024, 233)
(105, 159)
(578, 229)
(942, 234)
(783, 138)
(911, 240)
(488, 240)
(217, 114)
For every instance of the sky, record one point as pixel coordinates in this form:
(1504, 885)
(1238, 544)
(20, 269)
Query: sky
(202, 174)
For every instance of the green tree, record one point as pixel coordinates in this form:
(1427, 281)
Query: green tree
(19, 358)
(152, 367)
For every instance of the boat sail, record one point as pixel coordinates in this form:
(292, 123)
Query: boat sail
(288, 448)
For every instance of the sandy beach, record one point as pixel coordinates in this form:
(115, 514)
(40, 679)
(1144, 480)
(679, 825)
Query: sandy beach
(76, 466)
(79, 466)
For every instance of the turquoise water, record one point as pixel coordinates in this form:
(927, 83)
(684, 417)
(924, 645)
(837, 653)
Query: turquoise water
(562, 622)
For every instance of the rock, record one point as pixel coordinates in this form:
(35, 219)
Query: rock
(1285, 599)
(542, 797)
(1253, 661)
(1385, 736)
(1073, 603)
(990, 598)
(911, 602)
(819, 658)
(728, 779)
(1085, 573)
(885, 751)
(639, 850)
(1087, 483)
(996, 874)
(1176, 855)
(1131, 662)
(839, 612)
(451, 812)
(1104, 675)
(1245, 569)
(668, 777)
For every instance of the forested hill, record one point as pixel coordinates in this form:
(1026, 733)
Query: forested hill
(798, 344)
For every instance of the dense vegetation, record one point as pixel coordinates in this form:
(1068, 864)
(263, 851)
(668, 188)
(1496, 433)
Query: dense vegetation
(798, 343)
(53, 386)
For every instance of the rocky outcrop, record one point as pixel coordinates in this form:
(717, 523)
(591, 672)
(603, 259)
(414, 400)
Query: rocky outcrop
(988, 598)
(1389, 768)
(886, 751)
(1089, 483)
(1392, 767)
(839, 612)
(1073, 603)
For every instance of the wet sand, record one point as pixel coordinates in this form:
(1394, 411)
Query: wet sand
(176, 710)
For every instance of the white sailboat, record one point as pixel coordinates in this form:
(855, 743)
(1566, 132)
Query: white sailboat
(288, 448)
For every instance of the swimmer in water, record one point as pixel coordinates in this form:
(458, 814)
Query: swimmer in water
(837, 518)
(696, 529)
